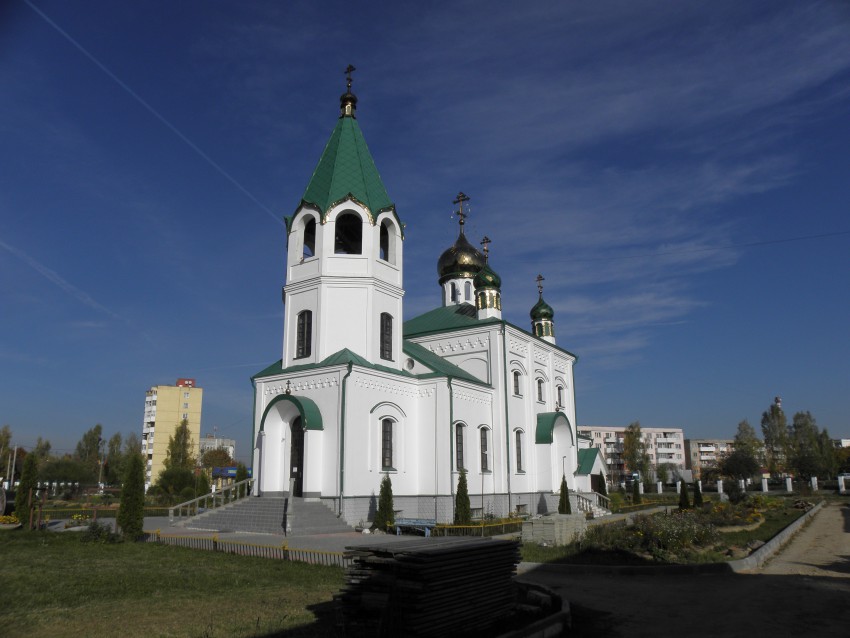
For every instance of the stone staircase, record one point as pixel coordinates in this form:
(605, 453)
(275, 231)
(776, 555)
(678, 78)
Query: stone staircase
(264, 515)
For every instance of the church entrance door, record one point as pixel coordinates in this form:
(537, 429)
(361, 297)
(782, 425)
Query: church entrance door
(296, 456)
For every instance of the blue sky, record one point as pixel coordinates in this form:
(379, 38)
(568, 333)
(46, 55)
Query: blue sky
(678, 172)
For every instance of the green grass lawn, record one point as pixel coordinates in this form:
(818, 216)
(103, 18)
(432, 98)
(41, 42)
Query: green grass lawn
(54, 585)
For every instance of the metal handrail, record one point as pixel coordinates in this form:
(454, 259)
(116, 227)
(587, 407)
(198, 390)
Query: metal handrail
(224, 496)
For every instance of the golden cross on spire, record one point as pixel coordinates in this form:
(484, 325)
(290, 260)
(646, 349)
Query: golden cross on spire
(485, 247)
(348, 71)
(540, 281)
(461, 198)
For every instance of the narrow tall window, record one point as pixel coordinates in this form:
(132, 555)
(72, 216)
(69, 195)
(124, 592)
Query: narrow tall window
(387, 444)
(485, 456)
(453, 288)
(516, 382)
(458, 447)
(310, 238)
(560, 395)
(386, 336)
(519, 451)
(539, 389)
(304, 334)
(467, 287)
(384, 243)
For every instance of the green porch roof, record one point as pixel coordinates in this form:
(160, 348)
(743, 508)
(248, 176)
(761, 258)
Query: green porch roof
(346, 169)
(544, 434)
(586, 459)
(311, 416)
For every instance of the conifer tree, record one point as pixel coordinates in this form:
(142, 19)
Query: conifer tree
(463, 513)
(684, 502)
(385, 515)
(131, 515)
(697, 495)
(603, 485)
(636, 499)
(564, 506)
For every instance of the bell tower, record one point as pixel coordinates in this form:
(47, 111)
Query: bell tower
(344, 256)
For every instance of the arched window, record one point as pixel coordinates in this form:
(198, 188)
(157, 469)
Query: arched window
(304, 334)
(517, 385)
(310, 238)
(453, 288)
(459, 447)
(561, 395)
(386, 336)
(540, 389)
(384, 243)
(519, 441)
(485, 449)
(467, 291)
(387, 444)
(349, 235)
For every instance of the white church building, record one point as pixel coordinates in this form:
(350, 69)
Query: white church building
(358, 393)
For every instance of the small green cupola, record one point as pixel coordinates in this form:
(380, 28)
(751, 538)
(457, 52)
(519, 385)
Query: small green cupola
(488, 288)
(542, 316)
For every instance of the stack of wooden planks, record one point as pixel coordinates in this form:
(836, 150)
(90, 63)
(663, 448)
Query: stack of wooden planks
(428, 587)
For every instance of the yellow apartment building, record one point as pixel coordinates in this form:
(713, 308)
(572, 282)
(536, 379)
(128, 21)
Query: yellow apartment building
(165, 407)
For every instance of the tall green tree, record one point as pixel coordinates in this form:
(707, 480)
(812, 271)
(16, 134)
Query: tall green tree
(26, 494)
(740, 464)
(634, 451)
(41, 451)
(5, 443)
(774, 430)
(564, 505)
(180, 446)
(115, 463)
(131, 515)
(385, 514)
(636, 497)
(218, 457)
(746, 439)
(241, 475)
(463, 510)
(88, 448)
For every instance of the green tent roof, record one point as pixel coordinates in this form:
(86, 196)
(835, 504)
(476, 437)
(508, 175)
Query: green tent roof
(586, 459)
(445, 318)
(311, 416)
(346, 169)
(440, 366)
(546, 426)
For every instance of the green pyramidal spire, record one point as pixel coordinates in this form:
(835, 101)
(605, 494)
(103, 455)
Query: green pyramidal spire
(346, 168)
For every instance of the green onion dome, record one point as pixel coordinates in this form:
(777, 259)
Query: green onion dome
(462, 260)
(487, 278)
(542, 311)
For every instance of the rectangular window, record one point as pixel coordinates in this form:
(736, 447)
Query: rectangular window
(485, 464)
(516, 383)
(185, 395)
(459, 447)
(185, 406)
(540, 389)
(386, 336)
(387, 444)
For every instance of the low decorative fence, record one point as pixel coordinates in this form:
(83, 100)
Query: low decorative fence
(277, 552)
(513, 526)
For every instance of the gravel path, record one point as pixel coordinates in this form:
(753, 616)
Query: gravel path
(803, 592)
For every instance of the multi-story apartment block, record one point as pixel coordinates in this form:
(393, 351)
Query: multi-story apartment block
(663, 445)
(704, 454)
(165, 407)
(213, 442)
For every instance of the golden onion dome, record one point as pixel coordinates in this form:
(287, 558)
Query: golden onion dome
(462, 260)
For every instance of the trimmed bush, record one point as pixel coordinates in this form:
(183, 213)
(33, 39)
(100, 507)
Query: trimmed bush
(564, 506)
(697, 495)
(131, 514)
(636, 498)
(463, 512)
(29, 481)
(684, 502)
(385, 515)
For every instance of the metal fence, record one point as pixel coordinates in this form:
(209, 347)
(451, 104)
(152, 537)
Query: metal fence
(277, 552)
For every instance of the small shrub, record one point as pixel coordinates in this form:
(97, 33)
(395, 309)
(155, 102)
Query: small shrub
(385, 515)
(735, 493)
(564, 506)
(636, 498)
(99, 533)
(463, 512)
